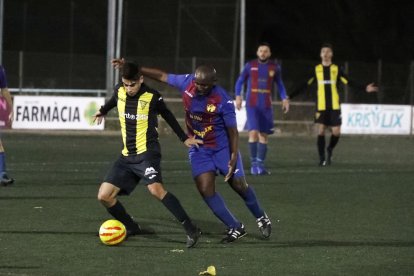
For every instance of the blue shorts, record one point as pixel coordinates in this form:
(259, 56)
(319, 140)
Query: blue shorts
(209, 160)
(260, 119)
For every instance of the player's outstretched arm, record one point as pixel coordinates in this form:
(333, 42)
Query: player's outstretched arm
(98, 117)
(152, 73)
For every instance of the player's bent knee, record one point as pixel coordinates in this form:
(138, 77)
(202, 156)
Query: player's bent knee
(157, 190)
(107, 193)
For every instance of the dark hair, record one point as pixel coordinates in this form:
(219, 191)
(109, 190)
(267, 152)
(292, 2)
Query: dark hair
(264, 43)
(327, 45)
(131, 71)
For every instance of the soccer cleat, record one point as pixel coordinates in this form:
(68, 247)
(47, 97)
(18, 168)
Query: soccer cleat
(265, 226)
(261, 170)
(322, 163)
(254, 170)
(234, 234)
(192, 238)
(135, 229)
(5, 180)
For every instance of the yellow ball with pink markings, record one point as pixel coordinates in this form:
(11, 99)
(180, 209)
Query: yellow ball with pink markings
(112, 232)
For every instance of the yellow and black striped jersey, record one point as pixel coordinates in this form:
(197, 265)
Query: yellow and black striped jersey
(327, 79)
(138, 118)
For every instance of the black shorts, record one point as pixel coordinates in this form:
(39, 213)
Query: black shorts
(329, 117)
(127, 172)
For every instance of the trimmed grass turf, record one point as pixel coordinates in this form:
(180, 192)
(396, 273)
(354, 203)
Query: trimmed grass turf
(353, 218)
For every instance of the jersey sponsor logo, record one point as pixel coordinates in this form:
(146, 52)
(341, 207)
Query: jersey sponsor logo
(271, 73)
(230, 102)
(138, 117)
(195, 117)
(327, 82)
(211, 108)
(203, 132)
(150, 170)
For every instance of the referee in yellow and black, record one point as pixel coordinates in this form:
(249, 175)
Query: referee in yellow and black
(138, 109)
(328, 109)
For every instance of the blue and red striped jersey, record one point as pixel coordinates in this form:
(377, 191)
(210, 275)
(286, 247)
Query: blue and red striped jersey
(206, 116)
(260, 78)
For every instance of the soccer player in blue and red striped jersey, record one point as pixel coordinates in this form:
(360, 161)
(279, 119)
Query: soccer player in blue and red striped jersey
(210, 117)
(260, 75)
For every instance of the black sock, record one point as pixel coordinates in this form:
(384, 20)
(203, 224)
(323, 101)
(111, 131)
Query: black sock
(332, 143)
(118, 212)
(321, 146)
(174, 206)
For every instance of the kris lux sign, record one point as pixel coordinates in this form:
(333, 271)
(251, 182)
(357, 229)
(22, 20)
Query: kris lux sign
(376, 119)
(44, 112)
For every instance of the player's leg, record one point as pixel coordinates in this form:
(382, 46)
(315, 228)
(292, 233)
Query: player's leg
(321, 144)
(252, 126)
(173, 205)
(107, 195)
(119, 180)
(247, 193)
(336, 122)
(261, 154)
(4, 179)
(206, 187)
(336, 133)
(266, 127)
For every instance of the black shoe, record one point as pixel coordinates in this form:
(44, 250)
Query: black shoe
(329, 159)
(135, 229)
(192, 238)
(5, 180)
(322, 163)
(265, 226)
(234, 234)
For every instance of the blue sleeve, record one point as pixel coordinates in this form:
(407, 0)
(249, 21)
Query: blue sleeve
(241, 79)
(3, 79)
(229, 113)
(279, 82)
(179, 81)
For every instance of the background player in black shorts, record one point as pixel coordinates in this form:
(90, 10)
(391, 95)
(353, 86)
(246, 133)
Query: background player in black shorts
(328, 108)
(138, 108)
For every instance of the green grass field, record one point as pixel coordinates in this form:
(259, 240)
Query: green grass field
(353, 218)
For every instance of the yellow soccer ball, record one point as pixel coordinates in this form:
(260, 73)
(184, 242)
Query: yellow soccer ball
(112, 232)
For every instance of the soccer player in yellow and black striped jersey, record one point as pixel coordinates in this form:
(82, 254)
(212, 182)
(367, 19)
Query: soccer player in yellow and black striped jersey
(328, 109)
(138, 108)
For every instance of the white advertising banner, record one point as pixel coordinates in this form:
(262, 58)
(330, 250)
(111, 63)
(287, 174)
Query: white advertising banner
(55, 112)
(376, 119)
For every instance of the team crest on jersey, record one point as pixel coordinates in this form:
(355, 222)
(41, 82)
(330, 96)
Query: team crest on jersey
(143, 104)
(211, 108)
(271, 73)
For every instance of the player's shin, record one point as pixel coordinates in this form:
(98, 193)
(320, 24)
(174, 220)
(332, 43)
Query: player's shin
(219, 208)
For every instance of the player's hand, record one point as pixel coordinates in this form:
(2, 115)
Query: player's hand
(371, 88)
(117, 63)
(232, 167)
(285, 106)
(98, 117)
(192, 141)
(239, 102)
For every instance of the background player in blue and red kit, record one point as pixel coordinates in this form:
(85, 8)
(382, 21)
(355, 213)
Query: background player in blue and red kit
(210, 116)
(4, 179)
(260, 74)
